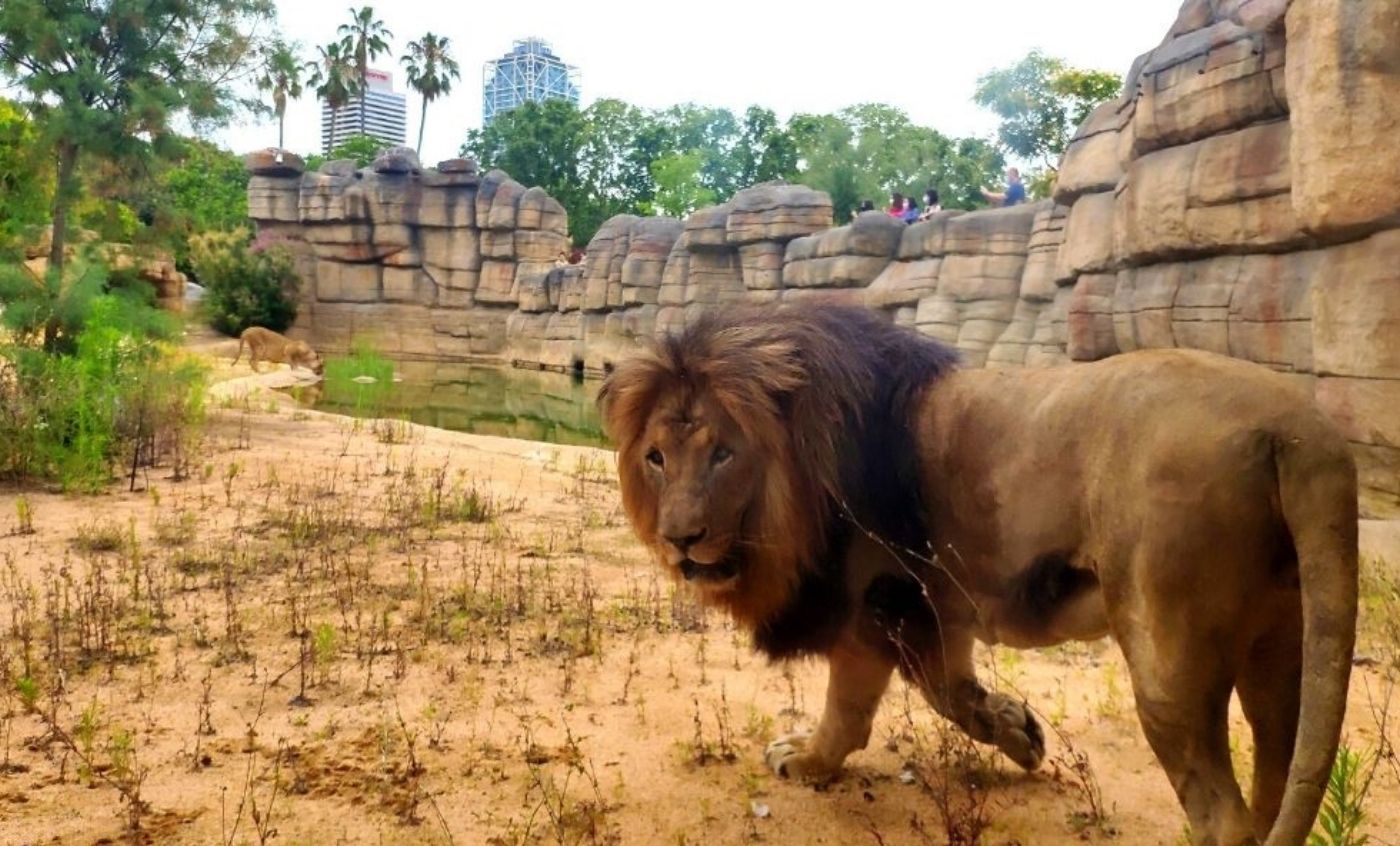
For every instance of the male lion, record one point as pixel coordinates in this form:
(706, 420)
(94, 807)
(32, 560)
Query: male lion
(267, 345)
(841, 489)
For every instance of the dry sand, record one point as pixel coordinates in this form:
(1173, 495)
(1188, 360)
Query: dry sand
(498, 670)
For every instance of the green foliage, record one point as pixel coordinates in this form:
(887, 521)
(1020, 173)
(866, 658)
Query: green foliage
(205, 189)
(52, 310)
(431, 71)
(26, 175)
(120, 398)
(614, 158)
(283, 77)
(1041, 101)
(108, 76)
(333, 77)
(363, 40)
(1343, 806)
(361, 149)
(678, 187)
(245, 284)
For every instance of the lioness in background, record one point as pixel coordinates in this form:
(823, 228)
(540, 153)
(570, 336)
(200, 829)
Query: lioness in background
(267, 345)
(843, 489)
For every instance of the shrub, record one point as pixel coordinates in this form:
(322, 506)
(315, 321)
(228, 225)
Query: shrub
(51, 311)
(245, 284)
(121, 399)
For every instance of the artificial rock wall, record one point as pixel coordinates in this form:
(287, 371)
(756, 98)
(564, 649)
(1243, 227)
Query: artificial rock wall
(1242, 196)
(428, 263)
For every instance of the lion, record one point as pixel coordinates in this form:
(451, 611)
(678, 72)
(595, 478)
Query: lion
(843, 489)
(267, 345)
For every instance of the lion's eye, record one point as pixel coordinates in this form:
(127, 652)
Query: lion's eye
(656, 459)
(721, 456)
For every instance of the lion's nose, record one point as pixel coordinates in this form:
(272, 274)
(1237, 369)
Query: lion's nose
(685, 542)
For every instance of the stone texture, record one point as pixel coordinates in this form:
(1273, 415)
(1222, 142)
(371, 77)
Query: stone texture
(1088, 238)
(1344, 92)
(1225, 193)
(274, 162)
(1090, 319)
(1092, 163)
(776, 212)
(396, 160)
(1220, 77)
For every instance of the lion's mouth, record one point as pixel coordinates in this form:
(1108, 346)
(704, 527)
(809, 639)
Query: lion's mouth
(720, 571)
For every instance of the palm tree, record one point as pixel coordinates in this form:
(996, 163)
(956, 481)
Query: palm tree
(282, 76)
(363, 39)
(332, 77)
(431, 70)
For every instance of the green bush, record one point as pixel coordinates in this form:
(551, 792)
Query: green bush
(245, 284)
(121, 399)
(51, 311)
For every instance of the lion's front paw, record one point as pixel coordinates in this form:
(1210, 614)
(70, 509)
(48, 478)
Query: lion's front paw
(1016, 732)
(789, 757)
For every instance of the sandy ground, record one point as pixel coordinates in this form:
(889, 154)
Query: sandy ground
(379, 633)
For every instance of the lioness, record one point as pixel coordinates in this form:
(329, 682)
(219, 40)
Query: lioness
(842, 489)
(267, 345)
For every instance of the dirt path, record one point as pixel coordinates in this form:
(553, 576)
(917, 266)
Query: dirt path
(381, 633)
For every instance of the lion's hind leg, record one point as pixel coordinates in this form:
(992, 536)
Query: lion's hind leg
(1269, 686)
(858, 679)
(1182, 678)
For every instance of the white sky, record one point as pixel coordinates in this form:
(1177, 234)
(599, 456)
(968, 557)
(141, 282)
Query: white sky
(923, 56)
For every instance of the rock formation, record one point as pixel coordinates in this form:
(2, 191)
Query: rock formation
(1238, 197)
(429, 263)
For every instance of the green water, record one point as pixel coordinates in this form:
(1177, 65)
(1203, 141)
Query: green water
(531, 405)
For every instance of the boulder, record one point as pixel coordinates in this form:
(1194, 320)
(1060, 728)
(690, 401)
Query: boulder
(396, 161)
(274, 162)
(777, 212)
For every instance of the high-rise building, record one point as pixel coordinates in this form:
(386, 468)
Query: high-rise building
(530, 71)
(385, 114)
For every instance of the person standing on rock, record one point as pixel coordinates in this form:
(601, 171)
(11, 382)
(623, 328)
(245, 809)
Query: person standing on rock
(1015, 193)
(911, 210)
(896, 208)
(931, 204)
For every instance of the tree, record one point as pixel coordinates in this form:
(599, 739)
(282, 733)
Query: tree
(109, 75)
(26, 178)
(282, 76)
(360, 149)
(333, 80)
(538, 144)
(363, 39)
(431, 70)
(1041, 101)
(679, 190)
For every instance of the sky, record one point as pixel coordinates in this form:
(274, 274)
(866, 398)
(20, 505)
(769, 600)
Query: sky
(922, 57)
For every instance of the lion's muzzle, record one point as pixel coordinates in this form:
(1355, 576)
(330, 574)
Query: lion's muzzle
(720, 571)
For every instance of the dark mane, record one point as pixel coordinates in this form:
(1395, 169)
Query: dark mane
(850, 421)
(829, 392)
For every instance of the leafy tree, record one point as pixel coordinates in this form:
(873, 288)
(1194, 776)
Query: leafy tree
(1041, 101)
(360, 149)
(109, 75)
(431, 71)
(283, 74)
(26, 178)
(246, 284)
(679, 190)
(539, 144)
(363, 39)
(333, 79)
(54, 310)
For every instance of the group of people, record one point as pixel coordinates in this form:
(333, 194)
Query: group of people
(907, 208)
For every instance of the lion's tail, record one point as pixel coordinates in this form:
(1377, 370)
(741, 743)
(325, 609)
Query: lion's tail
(1317, 490)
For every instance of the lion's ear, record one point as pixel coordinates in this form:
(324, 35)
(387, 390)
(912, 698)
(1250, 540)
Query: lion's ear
(627, 395)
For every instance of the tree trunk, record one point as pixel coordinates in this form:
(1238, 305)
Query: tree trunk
(364, 84)
(422, 119)
(281, 121)
(62, 198)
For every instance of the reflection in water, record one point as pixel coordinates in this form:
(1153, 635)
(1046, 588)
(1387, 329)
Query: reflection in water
(525, 404)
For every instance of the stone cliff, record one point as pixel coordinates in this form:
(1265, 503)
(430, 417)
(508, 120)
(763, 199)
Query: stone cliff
(1242, 196)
